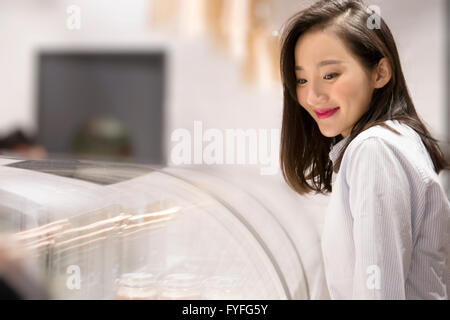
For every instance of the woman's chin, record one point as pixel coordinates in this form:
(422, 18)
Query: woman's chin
(329, 132)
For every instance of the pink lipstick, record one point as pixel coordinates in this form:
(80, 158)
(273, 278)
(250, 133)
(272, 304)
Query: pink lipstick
(326, 113)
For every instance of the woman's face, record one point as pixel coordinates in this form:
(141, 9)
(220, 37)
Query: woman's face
(332, 85)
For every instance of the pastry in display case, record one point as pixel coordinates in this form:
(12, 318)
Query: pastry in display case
(100, 230)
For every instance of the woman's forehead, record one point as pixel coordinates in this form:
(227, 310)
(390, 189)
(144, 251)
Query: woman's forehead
(314, 47)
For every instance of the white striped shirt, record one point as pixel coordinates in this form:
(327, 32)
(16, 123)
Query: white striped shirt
(386, 229)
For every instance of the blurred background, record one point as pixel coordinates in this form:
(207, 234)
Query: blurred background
(113, 79)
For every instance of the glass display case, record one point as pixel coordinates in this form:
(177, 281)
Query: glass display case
(98, 230)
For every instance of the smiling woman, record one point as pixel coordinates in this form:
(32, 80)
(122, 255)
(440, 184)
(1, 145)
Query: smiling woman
(348, 117)
(339, 89)
(330, 59)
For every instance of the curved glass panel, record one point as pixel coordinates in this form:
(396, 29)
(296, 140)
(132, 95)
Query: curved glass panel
(97, 230)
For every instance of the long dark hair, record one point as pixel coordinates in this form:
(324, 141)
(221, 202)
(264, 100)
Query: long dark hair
(304, 151)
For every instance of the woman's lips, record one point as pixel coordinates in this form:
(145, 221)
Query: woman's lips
(325, 113)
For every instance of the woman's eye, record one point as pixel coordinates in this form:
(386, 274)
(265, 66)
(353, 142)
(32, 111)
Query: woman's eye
(333, 75)
(327, 77)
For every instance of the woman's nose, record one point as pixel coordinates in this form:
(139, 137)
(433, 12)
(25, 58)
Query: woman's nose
(315, 95)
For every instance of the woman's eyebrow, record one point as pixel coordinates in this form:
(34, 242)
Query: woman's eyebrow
(322, 63)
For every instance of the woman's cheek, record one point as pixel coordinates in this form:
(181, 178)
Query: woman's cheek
(299, 97)
(342, 90)
(352, 91)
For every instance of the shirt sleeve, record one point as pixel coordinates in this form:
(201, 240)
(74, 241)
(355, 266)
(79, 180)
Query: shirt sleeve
(380, 204)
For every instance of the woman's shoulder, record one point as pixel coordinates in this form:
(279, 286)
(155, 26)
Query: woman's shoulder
(403, 134)
(406, 146)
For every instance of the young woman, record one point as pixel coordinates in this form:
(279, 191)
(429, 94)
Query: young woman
(349, 123)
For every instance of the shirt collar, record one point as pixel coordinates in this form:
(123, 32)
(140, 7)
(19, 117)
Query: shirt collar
(336, 149)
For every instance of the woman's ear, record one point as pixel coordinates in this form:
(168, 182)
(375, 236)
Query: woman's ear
(382, 73)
